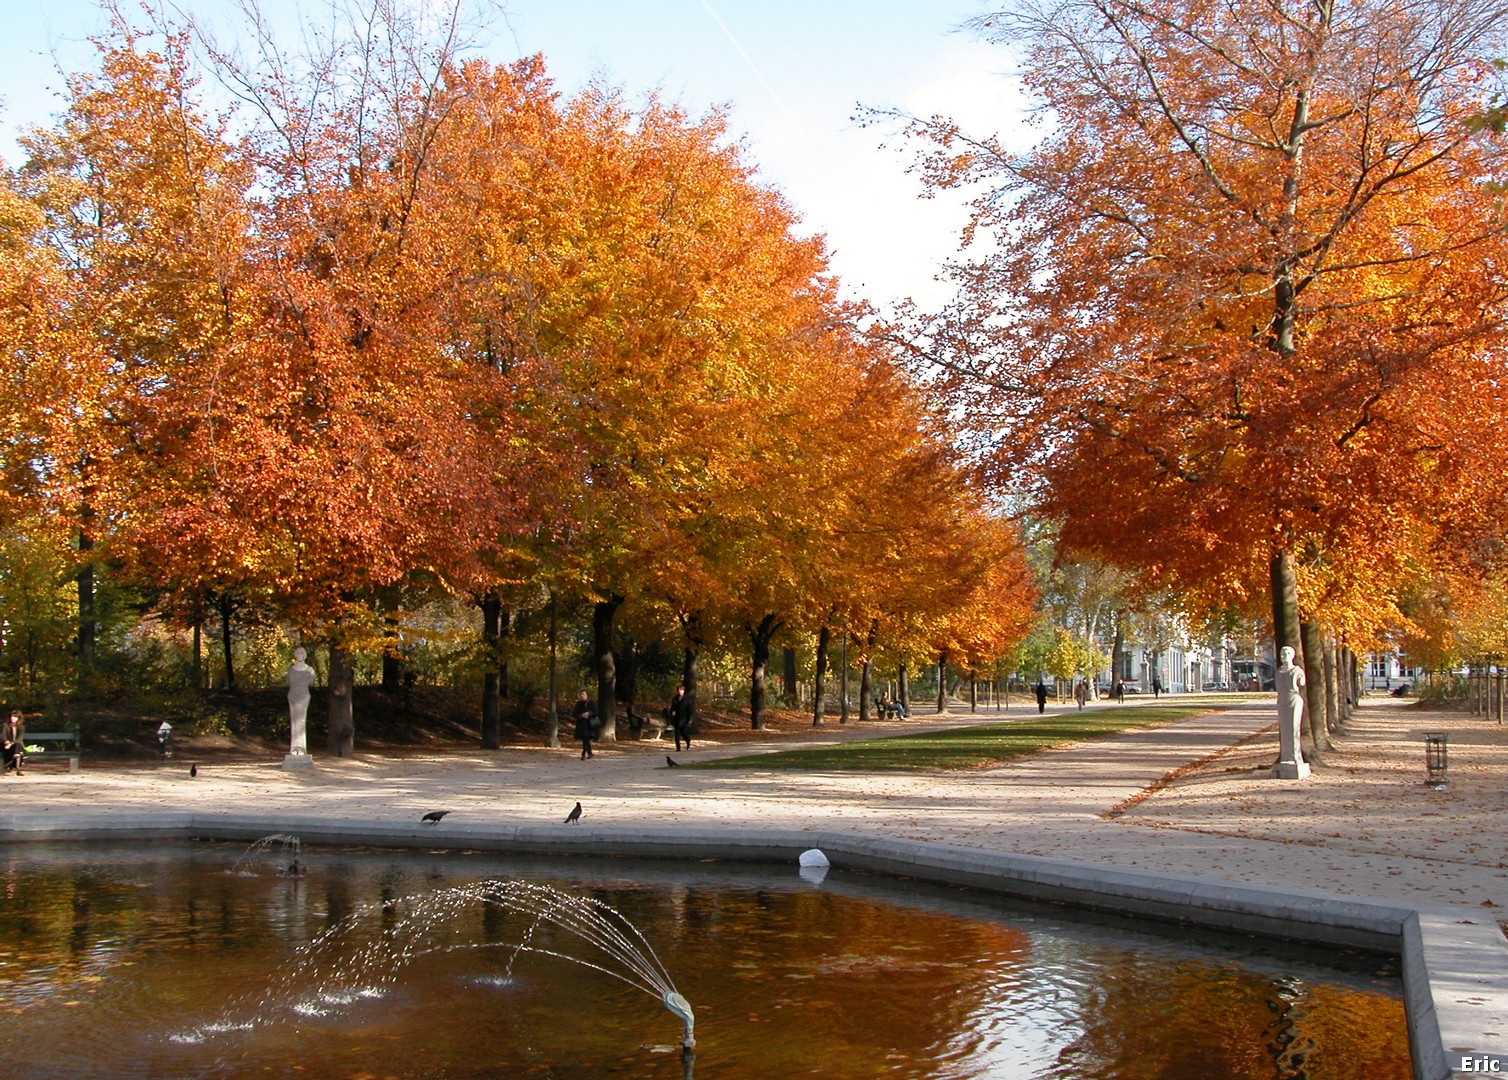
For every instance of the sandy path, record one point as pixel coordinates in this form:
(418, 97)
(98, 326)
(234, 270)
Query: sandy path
(1363, 824)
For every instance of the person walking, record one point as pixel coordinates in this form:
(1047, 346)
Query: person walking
(1041, 696)
(587, 724)
(1081, 692)
(680, 713)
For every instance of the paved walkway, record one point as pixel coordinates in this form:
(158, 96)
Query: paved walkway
(1363, 825)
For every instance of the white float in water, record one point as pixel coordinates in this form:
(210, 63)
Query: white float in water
(814, 866)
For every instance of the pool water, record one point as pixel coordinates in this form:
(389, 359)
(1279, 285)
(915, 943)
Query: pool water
(192, 960)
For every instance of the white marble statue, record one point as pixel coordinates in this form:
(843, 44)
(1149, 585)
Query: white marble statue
(1290, 683)
(300, 679)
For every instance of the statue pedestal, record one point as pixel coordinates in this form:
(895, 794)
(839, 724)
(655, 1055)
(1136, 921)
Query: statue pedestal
(1283, 770)
(297, 762)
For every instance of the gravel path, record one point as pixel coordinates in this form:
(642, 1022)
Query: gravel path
(1192, 797)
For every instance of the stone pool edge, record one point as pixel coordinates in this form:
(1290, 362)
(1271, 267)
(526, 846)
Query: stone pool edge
(1455, 960)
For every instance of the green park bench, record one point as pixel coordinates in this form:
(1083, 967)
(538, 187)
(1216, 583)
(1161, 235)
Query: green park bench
(64, 746)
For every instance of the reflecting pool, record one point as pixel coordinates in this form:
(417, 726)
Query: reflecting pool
(195, 960)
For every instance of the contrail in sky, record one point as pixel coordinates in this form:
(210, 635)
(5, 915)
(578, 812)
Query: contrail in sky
(795, 123)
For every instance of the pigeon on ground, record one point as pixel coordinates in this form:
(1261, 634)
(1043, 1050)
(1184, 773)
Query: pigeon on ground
(574, 816)
(434, 816)
(193, 770)
(672, 762)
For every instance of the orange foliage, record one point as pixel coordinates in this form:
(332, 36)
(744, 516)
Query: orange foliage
(434, 325)
(1242, 298)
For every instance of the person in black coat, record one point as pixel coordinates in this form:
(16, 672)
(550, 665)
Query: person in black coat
(587, 724)
(1041, 696)
(679, 714)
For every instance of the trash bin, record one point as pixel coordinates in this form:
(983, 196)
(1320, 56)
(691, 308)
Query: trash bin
(1435, 744)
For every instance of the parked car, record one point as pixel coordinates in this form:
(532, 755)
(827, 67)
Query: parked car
(1216, 686)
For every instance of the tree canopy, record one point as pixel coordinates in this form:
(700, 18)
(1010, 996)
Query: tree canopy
(1244, 297)
(406, 324)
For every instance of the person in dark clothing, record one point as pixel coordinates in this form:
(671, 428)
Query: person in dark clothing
(1156, 688)
(679, 714)
(13, 742)
(1041, 696)
(587, 724)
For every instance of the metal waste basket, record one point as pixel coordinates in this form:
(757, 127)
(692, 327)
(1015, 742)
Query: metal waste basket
(1435, 758)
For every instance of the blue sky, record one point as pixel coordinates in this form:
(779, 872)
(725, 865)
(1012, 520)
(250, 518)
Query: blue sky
(792, 75)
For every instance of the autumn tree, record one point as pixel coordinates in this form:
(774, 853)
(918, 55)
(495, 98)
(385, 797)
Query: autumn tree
(1237, 309)
(36, 537)
(142, 213)
(383, 455)
(671, 309)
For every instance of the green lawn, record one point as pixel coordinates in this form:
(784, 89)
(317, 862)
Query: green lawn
(963, 748)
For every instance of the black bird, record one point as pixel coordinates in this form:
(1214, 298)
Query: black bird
(672, 762)
(434, 816)
(193, 770)
(574, 816)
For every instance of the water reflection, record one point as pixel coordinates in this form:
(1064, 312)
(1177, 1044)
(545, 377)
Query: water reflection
(128, 954)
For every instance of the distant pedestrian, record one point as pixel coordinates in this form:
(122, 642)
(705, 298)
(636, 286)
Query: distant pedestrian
(1041, 696)
(1156, 688)
(587, 724)
(164, 740)
(680, 713)
(1081, 692)
(1120, 692)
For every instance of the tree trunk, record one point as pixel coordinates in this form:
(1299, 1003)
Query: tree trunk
(1116, 647)
(392, 656)
(341, 738)
(226, 605)
(87, 628)
(504, 630)
(866, 675)
(1285, 608)
(552, 712)
(1314, 691)
(788, 675)
(628, 678)
(819, 686)
(196, 672)
(760, 636)
(691, 627)
(1350, 693)
(607, 674)
(903, 686)
(942, 683)
(1332, 702)
(843, 680)
(491, 695)
(973, 695)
